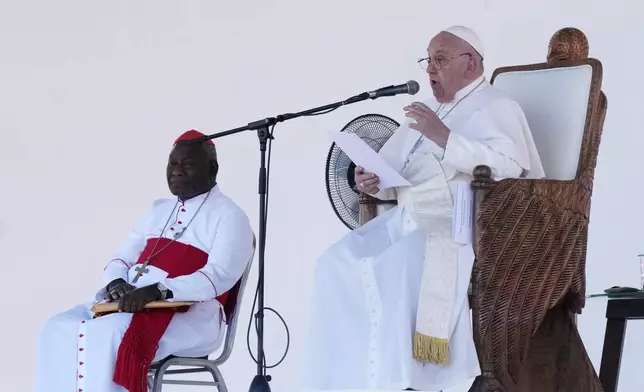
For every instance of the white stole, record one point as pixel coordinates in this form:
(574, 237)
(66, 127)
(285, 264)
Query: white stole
(432, 208)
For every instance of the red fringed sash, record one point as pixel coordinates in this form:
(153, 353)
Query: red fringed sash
(141, 340)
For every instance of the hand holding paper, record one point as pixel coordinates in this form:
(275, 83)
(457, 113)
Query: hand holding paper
(363, 155)
(367, 182)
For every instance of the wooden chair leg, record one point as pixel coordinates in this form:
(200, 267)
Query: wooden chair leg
(556, 361)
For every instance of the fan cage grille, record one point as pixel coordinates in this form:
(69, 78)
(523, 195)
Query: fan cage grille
(374, 130)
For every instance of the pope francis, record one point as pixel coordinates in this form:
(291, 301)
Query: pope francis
(390, 308)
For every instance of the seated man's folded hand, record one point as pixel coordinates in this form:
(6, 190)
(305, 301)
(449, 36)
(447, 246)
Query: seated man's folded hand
(117, 289)
(135, 300)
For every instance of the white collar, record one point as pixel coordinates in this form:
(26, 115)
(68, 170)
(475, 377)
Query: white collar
(200, 198)
(467, 89)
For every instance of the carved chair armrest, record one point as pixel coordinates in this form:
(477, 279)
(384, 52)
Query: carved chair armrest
(526, 221)
(530, 246)
(368, 207)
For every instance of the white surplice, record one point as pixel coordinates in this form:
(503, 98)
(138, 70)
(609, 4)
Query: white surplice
(77, 352)
(366, 285)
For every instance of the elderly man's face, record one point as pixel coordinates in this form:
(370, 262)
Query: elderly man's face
(189, 171)
(448, 69)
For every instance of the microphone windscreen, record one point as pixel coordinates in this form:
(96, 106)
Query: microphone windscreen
(413, 87)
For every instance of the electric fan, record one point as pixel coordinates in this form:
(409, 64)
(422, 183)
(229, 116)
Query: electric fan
(374, 130)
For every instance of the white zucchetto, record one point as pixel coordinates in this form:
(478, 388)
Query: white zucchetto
(467, 35)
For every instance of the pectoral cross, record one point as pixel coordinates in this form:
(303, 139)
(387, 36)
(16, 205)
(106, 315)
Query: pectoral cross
(140, 271)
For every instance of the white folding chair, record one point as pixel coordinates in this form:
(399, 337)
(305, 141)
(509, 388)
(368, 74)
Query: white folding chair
(158, 370)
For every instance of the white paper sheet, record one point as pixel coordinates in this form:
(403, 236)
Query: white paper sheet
(363, 155)
(462, 214)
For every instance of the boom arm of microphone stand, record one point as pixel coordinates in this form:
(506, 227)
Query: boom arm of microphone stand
(270, 121)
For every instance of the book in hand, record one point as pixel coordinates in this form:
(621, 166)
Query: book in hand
(110, 307)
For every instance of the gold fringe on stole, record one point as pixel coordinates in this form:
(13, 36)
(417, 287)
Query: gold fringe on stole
(431, 349)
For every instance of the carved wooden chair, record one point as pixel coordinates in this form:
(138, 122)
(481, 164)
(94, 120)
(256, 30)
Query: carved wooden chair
(528, 280)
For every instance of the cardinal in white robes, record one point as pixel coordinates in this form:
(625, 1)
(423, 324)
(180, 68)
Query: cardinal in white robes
(194, 246)
(390, 308)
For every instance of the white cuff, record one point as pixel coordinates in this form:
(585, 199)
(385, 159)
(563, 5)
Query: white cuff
(100, 295)
(454, 146)
(115, 269)
(196, 287)
(385, 194)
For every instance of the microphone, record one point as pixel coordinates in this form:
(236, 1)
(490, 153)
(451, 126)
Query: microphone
(410, 88)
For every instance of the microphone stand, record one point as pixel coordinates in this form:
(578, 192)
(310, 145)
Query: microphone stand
(260, 381)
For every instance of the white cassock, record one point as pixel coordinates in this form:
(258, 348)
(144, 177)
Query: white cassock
(367, 285)
(77, 352)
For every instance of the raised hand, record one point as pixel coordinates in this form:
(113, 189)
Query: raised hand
(427, 123)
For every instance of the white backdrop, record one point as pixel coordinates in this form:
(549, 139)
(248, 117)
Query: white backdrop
(93, 94)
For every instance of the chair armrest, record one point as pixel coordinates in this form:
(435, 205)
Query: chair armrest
(530, 245)
(368, 209)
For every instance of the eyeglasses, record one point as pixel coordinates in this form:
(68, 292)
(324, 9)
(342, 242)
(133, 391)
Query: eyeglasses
(439, 62)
